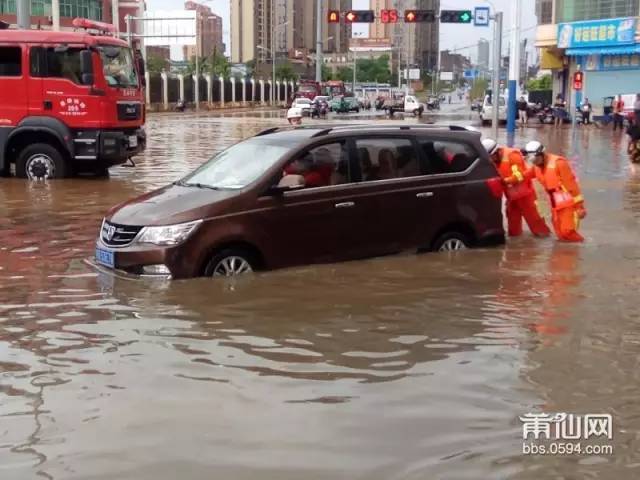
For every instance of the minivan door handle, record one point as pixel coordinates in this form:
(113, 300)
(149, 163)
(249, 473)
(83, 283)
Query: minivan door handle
(345, 205)
(424, 194)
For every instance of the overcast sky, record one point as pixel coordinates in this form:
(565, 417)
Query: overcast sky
(462, 38)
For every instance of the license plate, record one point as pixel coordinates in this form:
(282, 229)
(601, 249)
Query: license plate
(133, 141)
(105, 257)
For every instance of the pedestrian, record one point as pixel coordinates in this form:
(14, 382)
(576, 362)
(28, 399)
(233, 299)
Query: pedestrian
(557, 177)
(521, 197)
(559, 110)
(633, 148)
(586, 109)
(618, 113)
(449, 98)
(523, 108)
(636, 109)
(294, 116)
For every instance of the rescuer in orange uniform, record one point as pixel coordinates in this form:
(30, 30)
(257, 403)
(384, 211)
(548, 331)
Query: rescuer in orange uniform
(557, 178)
(521, 197)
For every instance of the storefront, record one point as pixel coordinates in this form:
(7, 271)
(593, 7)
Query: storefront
(607, 52)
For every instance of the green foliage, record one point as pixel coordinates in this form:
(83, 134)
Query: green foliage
(285, 71)
(373, 70)
(216, 65)
(327, 74)
(479, 87)
(345, 74)
(542, 83)
(156, 64)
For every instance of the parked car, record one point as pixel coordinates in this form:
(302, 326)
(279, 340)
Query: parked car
(293, 196)
(476, 105)
(303, 104)
(486, 112)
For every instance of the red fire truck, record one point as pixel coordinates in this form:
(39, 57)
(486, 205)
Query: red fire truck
(69, 101)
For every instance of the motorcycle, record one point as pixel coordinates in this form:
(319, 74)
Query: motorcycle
(319, 109)
(545, 115)
(433, 104)
(180, 106)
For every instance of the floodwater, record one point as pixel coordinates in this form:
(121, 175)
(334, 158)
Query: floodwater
(408, 367)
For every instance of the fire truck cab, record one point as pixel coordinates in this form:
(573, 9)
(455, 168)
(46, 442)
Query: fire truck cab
(69, 102)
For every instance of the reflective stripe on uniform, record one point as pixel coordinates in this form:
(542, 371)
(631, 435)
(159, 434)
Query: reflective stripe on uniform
(578, 199)
(517, 173)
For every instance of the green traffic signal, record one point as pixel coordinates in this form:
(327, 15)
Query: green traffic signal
(456, 16)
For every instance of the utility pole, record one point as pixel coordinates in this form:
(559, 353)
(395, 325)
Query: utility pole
(23, 12)
(355, 66)
(495, 81)
(318, 40)
(514, 67)
(55, 14)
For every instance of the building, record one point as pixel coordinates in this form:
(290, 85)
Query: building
(483, 54)
(455, 63)
(101, 10)
(293, 24)
(599, 37)
(208, 32)
(415, 44)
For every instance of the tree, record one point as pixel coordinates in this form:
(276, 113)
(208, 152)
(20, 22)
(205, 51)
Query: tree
(156, 64)
(542, 83)
(373, 70)
(218, 65)
(327, 74)
(285, 71)
(479, 88)
(345, 74)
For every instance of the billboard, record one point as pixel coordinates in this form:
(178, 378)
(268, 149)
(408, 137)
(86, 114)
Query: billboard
(446, 76)
(597, 33)
(173, 27)
(414, 74)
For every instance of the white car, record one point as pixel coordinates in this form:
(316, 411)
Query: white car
(486, 112)
(303, 104)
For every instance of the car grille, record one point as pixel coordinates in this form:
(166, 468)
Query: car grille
(114, 235)
(129, 111)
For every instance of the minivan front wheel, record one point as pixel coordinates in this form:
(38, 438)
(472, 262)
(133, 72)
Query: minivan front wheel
(230, 263)
(450, 242)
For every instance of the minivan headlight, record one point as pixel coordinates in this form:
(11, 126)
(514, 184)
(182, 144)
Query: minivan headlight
(168, 234)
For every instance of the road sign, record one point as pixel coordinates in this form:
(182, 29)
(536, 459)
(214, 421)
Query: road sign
(389, 15)
(446, 76)
(419, 16)
(414, 74)
(471, 74)
(360, 16)
(481, 17)
(455, 16)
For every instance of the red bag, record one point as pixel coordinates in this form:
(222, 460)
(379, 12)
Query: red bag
(518, 191)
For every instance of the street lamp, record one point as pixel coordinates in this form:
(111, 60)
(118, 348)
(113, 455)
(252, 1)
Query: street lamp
(272, 51)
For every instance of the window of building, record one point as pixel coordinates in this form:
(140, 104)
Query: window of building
(386, 158)
(447, 157)
(10, 61)
(544, 11)
(8, 6)
(578, 10)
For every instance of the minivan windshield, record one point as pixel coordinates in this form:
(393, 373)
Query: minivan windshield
(237, 166)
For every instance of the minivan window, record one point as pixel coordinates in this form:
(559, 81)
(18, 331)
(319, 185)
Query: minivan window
(237, 166)
(447, 156)
(385, 158)
(10, 61)
(322, 166)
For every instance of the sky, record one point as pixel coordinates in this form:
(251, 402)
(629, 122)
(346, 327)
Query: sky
(462, 38)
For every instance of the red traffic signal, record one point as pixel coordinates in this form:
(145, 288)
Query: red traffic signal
(389, 16)
(578, 80)
(360, 16)
(334, 16)
(419, 16)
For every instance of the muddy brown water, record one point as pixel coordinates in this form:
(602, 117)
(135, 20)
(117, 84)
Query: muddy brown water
(406, 367)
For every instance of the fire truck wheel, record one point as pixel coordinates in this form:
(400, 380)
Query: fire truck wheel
(41, 161)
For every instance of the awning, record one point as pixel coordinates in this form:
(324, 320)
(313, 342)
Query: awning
(619, 50)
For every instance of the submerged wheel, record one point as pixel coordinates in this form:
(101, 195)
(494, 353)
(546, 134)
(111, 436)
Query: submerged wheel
(230, 262)
(452, 241)
(41, 161)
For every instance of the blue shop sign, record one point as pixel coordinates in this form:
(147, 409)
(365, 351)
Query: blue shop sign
(597, 33)
(600, 63)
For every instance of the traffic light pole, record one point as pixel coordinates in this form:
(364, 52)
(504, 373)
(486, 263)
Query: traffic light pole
(514, 68)
(495, 80)
(318, 41)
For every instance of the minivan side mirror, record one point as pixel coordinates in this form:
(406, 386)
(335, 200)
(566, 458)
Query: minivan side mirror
(86, 67)
(278, 190)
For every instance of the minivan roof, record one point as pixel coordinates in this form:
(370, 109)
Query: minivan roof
(304, 132)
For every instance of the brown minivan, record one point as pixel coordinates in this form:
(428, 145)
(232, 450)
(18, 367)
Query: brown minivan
(293, 196)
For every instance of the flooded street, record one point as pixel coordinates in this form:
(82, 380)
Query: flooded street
(405, 367)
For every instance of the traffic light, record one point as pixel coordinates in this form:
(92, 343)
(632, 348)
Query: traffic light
(456, 16)
(334, 16)
(578, 80)
(360, 16)
(389, 16)
(419, 16)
